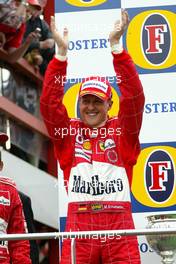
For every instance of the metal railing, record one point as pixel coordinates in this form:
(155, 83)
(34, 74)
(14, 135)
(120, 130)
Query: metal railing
(86, 235)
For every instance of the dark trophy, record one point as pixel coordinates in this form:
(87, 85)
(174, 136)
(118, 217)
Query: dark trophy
(163, 244)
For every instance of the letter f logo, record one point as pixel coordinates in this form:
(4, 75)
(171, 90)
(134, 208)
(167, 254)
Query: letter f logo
(159, 174)
(155, 37)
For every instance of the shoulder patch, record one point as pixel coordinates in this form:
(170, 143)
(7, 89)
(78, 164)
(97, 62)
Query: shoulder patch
(75, 120)
(112, 118)
(7, 181)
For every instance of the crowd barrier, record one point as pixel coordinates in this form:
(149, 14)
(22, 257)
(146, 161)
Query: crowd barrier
(86, 234)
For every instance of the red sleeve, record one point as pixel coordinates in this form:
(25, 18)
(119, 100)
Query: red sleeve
(19, 250)
(54, 112)
(16, 40)
(131, 107)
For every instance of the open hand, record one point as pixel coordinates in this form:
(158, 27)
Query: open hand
(119, 28)
(61, 41)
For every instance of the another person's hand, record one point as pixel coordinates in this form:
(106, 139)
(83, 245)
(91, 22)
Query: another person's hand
(47, 44)
(31, 37)
(119, 28)
(38, 60)
(62, 42)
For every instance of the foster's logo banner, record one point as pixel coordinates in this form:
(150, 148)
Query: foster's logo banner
(151, 39)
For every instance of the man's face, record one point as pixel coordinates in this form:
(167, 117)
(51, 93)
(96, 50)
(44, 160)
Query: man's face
(93, 110)
(32, 11)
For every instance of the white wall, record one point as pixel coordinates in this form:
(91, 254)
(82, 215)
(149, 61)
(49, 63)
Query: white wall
(38, 185)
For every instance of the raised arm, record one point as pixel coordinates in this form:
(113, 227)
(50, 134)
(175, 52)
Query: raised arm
(131, 99)
(53, 111)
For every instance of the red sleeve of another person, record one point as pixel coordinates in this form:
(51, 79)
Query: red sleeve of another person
(16, 40)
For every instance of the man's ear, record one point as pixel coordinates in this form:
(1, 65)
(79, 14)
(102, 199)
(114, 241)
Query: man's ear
(1, 165)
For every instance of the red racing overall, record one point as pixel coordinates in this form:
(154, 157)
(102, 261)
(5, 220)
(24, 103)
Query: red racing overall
(97, 165)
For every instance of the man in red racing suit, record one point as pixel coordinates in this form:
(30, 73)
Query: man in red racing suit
(11, 221)
(97, 153)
